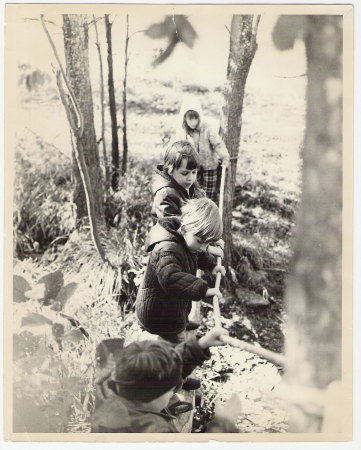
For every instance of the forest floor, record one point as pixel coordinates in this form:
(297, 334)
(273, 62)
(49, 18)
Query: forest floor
(266, 199)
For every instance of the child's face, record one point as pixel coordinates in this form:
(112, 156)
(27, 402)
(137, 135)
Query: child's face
(194, 243)
(192, 119)
(183, 176)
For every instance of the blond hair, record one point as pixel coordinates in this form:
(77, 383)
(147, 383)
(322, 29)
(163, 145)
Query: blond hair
(201, 217)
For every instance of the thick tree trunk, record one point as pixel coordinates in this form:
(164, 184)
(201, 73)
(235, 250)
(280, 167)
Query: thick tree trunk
(75, 29)
(242, 49)
(112, 107)
(313, 347)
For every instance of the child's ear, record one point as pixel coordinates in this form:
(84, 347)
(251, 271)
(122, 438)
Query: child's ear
(170, 169)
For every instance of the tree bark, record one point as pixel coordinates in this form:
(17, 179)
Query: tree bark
(105, 159)
(242, 49)
(125, 138)
(314, 292)
(112, 107)
(75, 29)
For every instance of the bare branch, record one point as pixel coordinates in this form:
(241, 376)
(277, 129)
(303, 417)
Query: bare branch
(80, 129)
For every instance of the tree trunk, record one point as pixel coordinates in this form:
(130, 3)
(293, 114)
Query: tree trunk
(242, 49)
(105, 159)
(314, 292)
(125, 139)
(75, 29)
(112, 107)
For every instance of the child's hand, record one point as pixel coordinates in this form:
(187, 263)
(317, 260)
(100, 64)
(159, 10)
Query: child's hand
(225, 162)
(211, 339)
(231, 409)
(211, 292)
(215, 251)
(220, 243)
(219, 269)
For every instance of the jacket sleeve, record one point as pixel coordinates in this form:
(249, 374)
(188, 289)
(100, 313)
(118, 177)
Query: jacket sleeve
(174, 281)
(192, 354)
(166, 203)
(206, 261)
(217, 144)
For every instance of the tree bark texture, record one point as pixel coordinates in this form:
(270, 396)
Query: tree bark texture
(314, 292)
(242, 49)
(75, 29)
(102, 109)
(112, 107)
(125, 138)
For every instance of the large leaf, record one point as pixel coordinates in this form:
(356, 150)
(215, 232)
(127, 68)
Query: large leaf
(20, 286)
(53, 283)
(66, 292)
(35, 320)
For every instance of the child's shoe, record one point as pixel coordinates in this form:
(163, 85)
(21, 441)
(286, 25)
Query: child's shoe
(191, 384)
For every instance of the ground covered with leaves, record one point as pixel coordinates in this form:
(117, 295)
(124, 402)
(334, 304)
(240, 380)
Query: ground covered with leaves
(66, 301)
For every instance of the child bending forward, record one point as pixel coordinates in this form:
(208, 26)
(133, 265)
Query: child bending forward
(177, 248)
(144, 380)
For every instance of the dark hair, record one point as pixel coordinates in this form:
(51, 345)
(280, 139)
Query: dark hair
(146, 370)
(177, 152)
(192, 115)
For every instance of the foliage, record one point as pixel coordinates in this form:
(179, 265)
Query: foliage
(54, 341)
(44, 210)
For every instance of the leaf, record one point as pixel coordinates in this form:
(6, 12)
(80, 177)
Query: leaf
(20, 286)
(66, 292)
(53, 283)
(74, 336)
(35, 320)
(37, 293)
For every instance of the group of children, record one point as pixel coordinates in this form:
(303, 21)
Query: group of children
(187, 235)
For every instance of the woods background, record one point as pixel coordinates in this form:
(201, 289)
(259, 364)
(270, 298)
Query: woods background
(273, 120)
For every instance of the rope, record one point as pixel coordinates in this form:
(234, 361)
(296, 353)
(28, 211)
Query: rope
(216, 310)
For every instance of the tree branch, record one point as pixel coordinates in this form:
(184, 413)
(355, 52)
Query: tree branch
(72, 96)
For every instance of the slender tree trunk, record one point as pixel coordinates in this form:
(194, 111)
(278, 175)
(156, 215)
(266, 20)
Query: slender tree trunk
(125, 139)
(242, 49)
(112, 107)
(105, 159)
(75, 29)
(314, 292)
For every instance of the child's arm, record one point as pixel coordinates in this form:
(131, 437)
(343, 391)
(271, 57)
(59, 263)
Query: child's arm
(166, 203)
(219, 146)
(174, 281)
(195, 351)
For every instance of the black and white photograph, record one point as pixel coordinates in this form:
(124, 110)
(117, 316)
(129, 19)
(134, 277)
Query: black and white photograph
(178, 223)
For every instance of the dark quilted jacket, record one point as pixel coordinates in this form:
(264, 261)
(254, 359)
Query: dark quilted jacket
(169, 196)
(169, 285)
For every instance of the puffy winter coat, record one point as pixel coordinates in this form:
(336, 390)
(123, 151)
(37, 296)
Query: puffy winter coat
(205, 138)
(169, 196)
(169, 285)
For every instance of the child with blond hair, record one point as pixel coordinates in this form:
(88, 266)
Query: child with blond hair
(177, 247)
